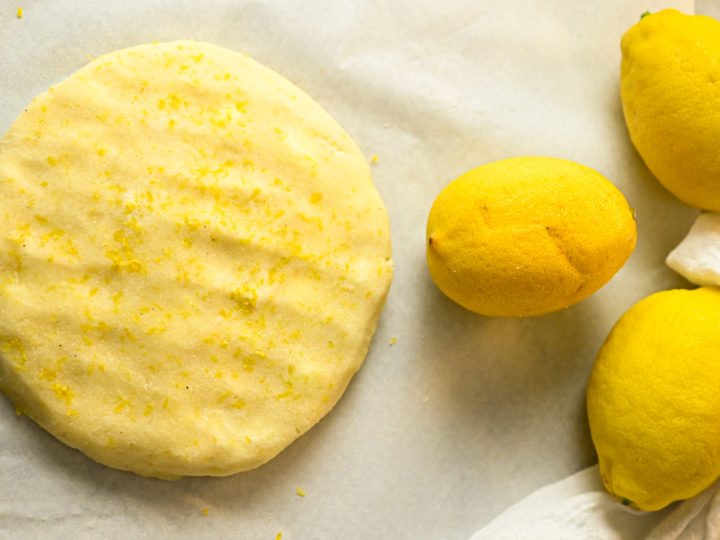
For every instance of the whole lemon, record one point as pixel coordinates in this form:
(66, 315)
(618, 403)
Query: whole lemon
(653, 399)
(527, 236)
(670, 88)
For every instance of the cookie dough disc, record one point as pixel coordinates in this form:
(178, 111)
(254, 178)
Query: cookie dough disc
(193, 260)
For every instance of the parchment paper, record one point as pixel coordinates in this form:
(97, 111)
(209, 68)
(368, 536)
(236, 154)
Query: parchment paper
(463, 415)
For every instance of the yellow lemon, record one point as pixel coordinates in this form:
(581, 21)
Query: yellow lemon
(671, 98)
(527, 236)
(654, 399)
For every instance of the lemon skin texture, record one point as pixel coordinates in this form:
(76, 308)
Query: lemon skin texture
(653, 399)
(670, 88)
(527, 236)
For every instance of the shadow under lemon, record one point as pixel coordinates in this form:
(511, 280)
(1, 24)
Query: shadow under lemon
(510, 376)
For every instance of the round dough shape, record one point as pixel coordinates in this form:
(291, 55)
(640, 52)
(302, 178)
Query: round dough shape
(193, 260)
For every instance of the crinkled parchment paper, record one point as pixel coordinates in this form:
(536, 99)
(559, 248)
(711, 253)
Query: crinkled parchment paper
(463, 415)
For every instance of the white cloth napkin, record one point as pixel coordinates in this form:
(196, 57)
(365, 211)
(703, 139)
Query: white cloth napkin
(697, 257)
(579, 508)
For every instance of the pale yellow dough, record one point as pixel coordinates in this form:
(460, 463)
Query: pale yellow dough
(193, 259)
